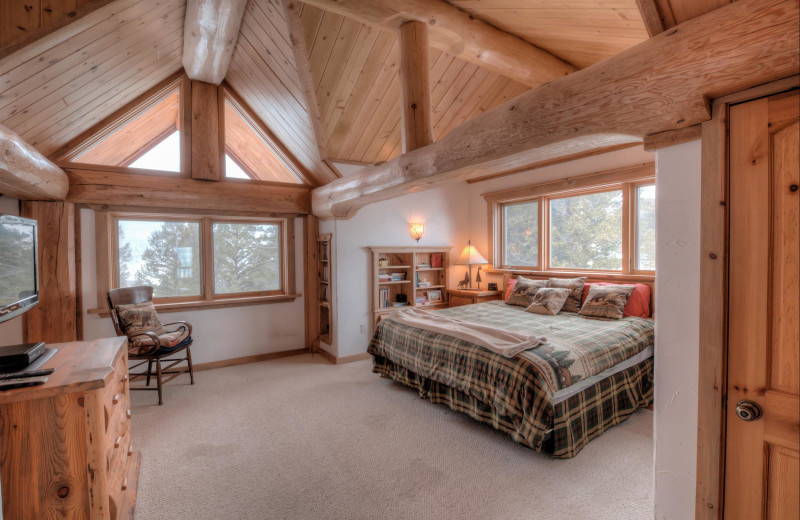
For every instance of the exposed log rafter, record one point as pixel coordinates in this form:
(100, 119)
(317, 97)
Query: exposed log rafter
(459, 34)
(661, 84)
(651, 16)
(211, 28)
(26, 174)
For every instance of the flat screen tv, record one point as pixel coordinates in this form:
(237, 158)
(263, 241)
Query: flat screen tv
(19, 272)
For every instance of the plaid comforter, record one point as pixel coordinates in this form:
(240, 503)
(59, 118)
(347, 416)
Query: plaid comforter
(516, 395)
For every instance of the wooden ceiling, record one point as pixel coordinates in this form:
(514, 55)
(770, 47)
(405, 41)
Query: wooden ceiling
(355, 73)
(64, 83)
(67, 64)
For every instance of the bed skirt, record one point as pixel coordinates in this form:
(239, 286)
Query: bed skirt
(573, 422)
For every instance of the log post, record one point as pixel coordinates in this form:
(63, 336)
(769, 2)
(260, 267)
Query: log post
(415, 89)
(54, 319)
(207, 133)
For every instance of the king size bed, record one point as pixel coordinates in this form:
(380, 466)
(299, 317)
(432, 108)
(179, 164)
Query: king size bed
(582, 378)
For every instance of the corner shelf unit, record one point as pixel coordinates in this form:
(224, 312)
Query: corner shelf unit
(412, 275)
(324, 270)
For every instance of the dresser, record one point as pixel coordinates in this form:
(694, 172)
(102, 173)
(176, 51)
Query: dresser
(458, 297)
(65, 446)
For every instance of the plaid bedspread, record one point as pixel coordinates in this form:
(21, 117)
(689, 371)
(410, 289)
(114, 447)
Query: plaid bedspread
(516, 395)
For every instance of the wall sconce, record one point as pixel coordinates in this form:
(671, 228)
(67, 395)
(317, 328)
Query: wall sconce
(416, 230)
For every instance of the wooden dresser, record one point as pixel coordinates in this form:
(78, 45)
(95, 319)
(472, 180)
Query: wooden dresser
(65, 446)
(458, 297)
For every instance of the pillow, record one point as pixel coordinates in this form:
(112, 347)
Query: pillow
(511, 284)
(606, 301)
(524, 291)
(575, 285)
(638, 304)
(548, 301)
(139, 317)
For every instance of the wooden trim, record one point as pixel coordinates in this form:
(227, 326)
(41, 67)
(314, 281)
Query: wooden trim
(660, 140)
(342, 360)
(558, 160)
(712, 383)
(83, 9)
(185, 119)
(310, 284)
(211, 365)
(297, 38)
(104, 260)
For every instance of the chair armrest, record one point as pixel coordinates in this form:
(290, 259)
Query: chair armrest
(184, 324)
(150, 334)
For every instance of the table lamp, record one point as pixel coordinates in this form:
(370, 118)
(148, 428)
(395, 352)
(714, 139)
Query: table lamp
(469, 257)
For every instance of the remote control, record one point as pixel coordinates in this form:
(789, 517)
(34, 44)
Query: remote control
(30, 373)
(24, 381)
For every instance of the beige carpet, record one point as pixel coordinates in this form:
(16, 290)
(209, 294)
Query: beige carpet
(299, 438)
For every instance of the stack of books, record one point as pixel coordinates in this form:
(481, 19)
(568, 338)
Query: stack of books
(384, 277)
(421, 300)
(384, 297)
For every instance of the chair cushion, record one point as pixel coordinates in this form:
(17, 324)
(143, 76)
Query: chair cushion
(143, 345)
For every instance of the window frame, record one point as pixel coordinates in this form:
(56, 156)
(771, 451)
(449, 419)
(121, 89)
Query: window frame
(107, 240)
(626, 180)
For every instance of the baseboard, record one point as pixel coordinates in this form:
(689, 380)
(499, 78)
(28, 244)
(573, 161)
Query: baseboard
(248, 359)
(341, 360)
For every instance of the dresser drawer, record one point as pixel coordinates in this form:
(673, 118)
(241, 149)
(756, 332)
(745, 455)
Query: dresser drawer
(118, 457)
(457, 301)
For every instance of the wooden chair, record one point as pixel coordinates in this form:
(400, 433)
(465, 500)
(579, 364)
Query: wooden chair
(159, 354)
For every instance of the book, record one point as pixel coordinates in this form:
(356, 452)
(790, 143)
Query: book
(20, 356)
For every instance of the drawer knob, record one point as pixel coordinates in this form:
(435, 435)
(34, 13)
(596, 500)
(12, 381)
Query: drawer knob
(115, 399)
(124, 483)
(125, 378)
(128, 414)
(130, 450)
(118, 441)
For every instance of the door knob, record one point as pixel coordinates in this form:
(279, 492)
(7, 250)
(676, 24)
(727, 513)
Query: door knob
(748, 411)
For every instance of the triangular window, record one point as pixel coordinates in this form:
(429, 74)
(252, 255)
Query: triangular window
(249, 152)
(149, 138)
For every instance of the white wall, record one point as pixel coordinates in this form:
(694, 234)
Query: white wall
(222, 333)
(11, 330)
(677, 304)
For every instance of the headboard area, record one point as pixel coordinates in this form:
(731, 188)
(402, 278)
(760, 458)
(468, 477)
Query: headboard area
(590, 278)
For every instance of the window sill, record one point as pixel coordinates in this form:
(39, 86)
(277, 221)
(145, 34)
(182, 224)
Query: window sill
(591, 275)
(211, 304)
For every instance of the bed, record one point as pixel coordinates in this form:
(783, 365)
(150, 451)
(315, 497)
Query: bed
(588, 376)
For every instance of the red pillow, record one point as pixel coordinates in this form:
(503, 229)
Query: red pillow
(638, 304)
(511, 284)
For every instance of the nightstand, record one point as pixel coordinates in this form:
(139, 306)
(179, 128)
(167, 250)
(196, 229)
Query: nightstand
(459, 297)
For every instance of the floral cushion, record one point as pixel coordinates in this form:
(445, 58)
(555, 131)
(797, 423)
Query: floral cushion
(524, 291)
(606, 301)
(142, 317)
(575, 285)
(548, 301)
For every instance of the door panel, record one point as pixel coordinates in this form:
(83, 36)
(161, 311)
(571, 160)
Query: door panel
(761, 462)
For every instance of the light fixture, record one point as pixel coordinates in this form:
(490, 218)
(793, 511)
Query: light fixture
(416, 230)
(469, 257)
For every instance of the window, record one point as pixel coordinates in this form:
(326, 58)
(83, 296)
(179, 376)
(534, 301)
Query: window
(149, 138)
(598, 223)
(586, 231)
(249, 153)
(199, 258)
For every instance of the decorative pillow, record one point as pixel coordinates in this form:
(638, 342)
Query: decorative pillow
(575, 285)
(606, 301)
(638, 304)
(511, 284)
(548, 301)
(524, 291)
(139, 317)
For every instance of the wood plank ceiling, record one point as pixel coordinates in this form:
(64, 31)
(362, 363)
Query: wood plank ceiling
(67, 81)
(264, 74)
(355, 72)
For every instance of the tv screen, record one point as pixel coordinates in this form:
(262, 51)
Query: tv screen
(19, 285)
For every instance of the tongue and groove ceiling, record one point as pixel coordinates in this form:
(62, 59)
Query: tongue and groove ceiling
(57, 84)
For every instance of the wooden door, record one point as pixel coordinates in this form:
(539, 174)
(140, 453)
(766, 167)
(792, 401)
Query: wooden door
(762, 474)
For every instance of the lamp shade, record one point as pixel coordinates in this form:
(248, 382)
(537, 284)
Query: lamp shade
(470, 256)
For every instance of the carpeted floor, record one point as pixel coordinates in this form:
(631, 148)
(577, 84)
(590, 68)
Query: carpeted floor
(298, 438)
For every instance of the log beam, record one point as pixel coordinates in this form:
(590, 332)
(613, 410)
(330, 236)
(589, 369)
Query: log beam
(661, 84)
(651, 16)
(459, 34)
(25, 173)
(151, 191)
(210, 31)
(208, 133)
(415, 86)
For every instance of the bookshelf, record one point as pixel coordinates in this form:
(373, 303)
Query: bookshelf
(414, 274)
(324, 270)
